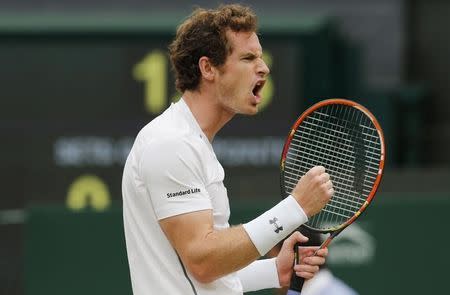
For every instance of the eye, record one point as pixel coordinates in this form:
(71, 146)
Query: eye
(248, 58)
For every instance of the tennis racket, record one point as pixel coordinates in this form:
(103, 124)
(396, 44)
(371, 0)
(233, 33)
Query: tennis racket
(345, 138)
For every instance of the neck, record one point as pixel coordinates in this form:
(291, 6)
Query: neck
(210, 115)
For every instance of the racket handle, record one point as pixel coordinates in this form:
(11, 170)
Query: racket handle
(296, 282)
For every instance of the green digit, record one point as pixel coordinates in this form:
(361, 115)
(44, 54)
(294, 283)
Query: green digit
(267, 91)
(153, 71)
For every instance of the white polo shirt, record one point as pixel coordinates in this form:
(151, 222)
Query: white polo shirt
(171, 169)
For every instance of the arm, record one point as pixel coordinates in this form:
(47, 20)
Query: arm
(208, 253)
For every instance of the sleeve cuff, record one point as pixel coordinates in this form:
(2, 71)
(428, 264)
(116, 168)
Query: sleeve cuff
(261, 274)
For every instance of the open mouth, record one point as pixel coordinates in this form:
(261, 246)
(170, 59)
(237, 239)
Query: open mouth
(258, 87)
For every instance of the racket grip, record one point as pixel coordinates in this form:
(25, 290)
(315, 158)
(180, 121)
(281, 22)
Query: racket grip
(296, 282)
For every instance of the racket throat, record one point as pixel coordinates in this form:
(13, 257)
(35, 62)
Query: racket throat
(327, 241)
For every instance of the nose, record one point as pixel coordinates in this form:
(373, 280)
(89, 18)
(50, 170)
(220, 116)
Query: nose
(263, 69)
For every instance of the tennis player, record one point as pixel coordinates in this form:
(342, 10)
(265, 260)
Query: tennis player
(176, 207)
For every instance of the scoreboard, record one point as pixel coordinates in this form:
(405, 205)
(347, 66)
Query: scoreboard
(72, 102)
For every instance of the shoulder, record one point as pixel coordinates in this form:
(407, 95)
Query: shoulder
(172, 160)
(169, 139)
(172, 150)
(173, 125)
(176, 145)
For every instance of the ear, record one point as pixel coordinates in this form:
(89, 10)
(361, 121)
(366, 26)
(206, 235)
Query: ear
(207, 70)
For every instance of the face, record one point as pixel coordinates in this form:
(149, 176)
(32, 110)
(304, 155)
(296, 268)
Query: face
(242, 77)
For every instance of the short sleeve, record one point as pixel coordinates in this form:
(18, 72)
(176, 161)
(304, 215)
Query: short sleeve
(174, 176)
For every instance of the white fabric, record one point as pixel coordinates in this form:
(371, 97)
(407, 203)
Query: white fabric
(275, 224)
(325, 283)
(171, 170)
(261, 274)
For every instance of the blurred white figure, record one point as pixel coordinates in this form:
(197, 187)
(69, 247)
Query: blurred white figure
(324, 283)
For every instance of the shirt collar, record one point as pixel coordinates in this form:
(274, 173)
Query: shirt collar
(186, 111)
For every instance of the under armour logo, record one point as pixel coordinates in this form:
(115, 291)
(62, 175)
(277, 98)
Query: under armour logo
(278, 228)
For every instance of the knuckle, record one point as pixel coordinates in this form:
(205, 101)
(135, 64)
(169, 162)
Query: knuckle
(317, 179)
(306, 275)
(316, 170)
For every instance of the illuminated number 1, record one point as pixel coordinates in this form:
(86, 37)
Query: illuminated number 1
(153, 71)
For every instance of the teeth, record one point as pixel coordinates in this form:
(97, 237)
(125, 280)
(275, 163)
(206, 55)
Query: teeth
(257, 87)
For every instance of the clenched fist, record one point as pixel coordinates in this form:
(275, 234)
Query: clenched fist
(313, 190)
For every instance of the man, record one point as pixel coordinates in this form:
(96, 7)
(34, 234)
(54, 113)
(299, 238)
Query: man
(175, 204)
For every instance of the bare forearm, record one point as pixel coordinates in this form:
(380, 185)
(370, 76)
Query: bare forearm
(221, 252)
(209, 254)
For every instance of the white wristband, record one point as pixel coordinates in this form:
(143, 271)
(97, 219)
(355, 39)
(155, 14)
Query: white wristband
(260, 274)
(275, 224)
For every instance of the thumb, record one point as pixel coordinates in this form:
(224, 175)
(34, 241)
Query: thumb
(295, 238)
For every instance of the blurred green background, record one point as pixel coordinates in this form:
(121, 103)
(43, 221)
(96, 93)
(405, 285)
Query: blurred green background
(79, 79)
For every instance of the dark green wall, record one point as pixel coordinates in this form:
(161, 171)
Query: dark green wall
(397, 247)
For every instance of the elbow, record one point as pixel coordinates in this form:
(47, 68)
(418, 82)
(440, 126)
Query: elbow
(202, 262)
(202, 272)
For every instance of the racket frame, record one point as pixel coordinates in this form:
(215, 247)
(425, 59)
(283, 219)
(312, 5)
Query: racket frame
(297, 282)
(333, 101)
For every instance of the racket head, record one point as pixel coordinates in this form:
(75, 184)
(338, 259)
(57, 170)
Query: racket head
(345, 138)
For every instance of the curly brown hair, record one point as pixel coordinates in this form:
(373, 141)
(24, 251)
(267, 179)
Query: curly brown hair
(203, 33)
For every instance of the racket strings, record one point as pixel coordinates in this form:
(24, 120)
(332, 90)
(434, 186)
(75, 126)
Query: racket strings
(345, 141)
(347, 161)
(338, 207)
